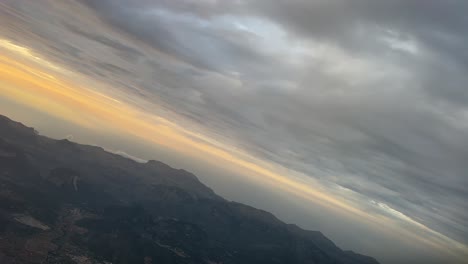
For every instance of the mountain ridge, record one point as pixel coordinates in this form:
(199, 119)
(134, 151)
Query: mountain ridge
(80, 191)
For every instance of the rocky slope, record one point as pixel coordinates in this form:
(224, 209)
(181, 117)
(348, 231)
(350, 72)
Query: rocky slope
(62, 202)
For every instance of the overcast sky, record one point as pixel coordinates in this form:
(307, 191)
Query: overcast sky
(368, 99)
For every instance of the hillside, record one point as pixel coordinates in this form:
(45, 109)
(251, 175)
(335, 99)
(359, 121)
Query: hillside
(62, 202)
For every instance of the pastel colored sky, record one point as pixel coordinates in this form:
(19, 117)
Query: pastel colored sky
(346, 118)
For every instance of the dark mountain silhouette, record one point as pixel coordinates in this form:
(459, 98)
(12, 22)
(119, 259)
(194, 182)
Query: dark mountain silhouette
(62, 202)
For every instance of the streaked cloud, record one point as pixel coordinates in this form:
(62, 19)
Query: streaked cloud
(361, 105)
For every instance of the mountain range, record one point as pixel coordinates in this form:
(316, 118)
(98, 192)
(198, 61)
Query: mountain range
(63, 202)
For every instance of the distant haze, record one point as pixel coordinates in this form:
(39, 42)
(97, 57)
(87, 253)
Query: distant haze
(348, 117)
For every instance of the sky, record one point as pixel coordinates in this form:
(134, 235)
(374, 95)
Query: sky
(347, 117)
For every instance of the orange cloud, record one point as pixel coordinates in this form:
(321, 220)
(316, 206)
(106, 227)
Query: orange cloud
(27, 79)
(88, 108)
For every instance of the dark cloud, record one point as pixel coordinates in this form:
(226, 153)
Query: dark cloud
(328, 121)
(367, 95)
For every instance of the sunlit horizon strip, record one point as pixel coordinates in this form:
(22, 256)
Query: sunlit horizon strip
(59, 98)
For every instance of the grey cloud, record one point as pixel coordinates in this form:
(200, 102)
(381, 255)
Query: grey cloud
(328, 123)
(384, 121)
(123, 49)
(439, 26)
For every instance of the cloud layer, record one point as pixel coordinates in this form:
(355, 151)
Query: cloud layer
(367, 97)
